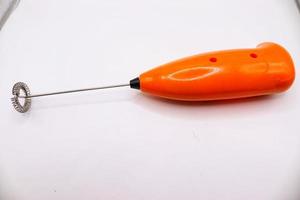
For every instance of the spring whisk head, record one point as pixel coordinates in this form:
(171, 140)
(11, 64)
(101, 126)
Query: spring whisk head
(17, 89)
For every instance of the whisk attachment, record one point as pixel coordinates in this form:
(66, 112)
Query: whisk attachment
(26, 97)
(25, 106)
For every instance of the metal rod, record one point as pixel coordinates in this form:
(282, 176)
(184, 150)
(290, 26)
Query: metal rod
(72, 91)
(298, 4)
(10, 8)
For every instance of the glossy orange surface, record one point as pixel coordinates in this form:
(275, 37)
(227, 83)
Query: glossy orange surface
(227, 74)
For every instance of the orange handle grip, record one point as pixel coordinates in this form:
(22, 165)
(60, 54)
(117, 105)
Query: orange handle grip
(227, 74)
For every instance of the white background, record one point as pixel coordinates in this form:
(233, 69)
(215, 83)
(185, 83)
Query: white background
(120, 144)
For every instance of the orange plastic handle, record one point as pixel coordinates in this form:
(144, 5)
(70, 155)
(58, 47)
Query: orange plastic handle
(227, 74)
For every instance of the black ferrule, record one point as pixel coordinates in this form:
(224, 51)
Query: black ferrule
(135, 83)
